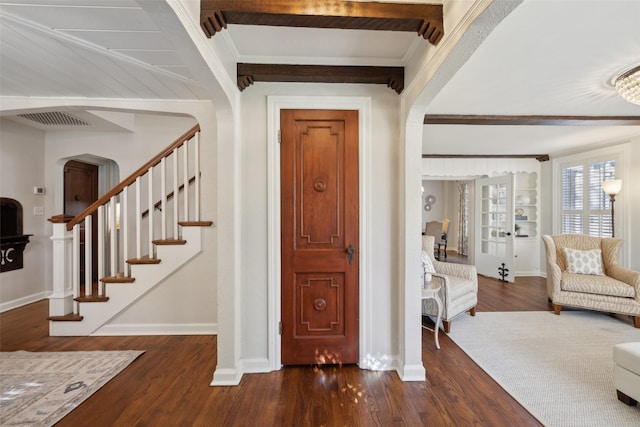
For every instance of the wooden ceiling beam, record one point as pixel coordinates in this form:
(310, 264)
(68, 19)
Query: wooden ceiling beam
(538, 157)
(494, 120)
(247, 74)
(424, 19)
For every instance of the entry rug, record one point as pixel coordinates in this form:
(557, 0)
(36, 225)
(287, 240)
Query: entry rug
(560, 368)
(41, 388)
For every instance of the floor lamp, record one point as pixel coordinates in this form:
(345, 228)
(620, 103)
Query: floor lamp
(612, 187)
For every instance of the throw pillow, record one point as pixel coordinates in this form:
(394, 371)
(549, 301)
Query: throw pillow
(584, 262)
(427, 267)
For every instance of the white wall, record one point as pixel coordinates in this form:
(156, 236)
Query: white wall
(383, 286)
(21, 169)
(437, 212)
(633, 200)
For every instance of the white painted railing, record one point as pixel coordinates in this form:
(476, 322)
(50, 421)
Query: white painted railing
(121, 230)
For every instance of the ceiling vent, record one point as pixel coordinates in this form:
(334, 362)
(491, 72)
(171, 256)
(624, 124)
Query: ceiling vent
(54, 118)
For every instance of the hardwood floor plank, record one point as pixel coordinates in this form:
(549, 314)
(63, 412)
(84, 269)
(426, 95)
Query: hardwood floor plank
(169, 383)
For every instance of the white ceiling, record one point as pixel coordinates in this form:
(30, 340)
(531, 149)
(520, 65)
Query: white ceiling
(89, 48)
(548, 57)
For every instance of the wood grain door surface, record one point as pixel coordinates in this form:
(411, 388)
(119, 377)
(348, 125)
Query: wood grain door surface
(319, 214)
(80, 191)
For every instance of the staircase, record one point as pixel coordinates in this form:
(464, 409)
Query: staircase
(137, 216)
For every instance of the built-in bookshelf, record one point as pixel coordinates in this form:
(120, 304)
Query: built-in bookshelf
(526, 223)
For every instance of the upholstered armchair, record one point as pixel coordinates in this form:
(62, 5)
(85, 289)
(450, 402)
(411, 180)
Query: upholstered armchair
(458, 287)
(599, 284)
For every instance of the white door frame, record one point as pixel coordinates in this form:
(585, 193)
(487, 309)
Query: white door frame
(274, 105)
(509, 232)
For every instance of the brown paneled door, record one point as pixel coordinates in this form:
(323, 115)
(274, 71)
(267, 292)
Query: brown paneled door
(319, 213)
(80, 191)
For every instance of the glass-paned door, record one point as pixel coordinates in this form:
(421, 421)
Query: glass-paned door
(494, 250)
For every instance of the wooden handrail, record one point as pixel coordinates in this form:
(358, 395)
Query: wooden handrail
(132, 178)
(169, 197)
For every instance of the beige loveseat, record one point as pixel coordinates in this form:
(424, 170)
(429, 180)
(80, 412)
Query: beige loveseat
(616, 291)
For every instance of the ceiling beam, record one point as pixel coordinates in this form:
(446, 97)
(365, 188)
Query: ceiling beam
(424, 19)
(538, 157)
(493, 120)
(247, 74)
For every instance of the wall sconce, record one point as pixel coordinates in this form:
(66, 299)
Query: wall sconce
(612, 187)
(430, 200)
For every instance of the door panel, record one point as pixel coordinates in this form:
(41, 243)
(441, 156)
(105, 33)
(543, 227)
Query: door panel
(319, 213)
(494, 208)
(80, 191)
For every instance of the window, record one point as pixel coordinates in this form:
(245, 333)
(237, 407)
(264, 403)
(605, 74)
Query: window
(585, 208)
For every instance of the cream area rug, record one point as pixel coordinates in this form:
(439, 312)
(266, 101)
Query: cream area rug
(38, 389)
(560, 368)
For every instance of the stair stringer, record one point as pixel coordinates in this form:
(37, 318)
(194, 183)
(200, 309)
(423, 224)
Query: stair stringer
(123, 295)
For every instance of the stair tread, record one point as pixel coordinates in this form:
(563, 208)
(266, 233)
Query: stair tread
(92, 298)
(195, 223)
(169, 242)
(144, 260)
(66, 318)
(118, 279)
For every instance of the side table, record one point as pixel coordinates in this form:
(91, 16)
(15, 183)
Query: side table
(431, 291)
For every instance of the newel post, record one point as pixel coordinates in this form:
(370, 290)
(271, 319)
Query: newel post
(61, 299)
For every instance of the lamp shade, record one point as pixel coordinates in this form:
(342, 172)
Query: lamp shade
(612, 187)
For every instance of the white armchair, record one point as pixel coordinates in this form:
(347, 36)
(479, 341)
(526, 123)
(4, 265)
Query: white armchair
(458, 287)
(613, 289)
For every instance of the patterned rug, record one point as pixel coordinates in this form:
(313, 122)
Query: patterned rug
(41, 388)
(560, 368)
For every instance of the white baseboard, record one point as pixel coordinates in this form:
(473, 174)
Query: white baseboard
(158, 329)
(412, 373)
(254, 366)
(379, 363)
(10, 305)
(226, 377)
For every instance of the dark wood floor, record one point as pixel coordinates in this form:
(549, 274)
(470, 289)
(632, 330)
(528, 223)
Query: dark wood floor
(169, 384)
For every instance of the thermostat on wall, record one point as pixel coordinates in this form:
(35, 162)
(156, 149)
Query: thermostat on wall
(38, 190)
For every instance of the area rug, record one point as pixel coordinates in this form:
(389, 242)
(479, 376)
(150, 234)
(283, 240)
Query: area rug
(41, 388)
(560, 368)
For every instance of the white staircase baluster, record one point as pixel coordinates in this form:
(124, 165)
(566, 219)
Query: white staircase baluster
(101, 243)
(163, 198)
(76, 265)
(197, 175)
(124, 226)
(151, 211)
(138, 220)
(88, 256)
(185, 178)
(176, 194)
(112, 237)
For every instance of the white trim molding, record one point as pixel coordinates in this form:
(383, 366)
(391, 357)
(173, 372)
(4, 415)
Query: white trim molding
(131, 329)
(19, 302)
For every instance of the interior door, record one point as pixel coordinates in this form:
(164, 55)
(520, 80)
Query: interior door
(80, 191)
(494, 211)
(319, 241)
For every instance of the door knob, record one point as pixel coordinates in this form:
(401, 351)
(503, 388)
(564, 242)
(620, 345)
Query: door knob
(350, 252)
